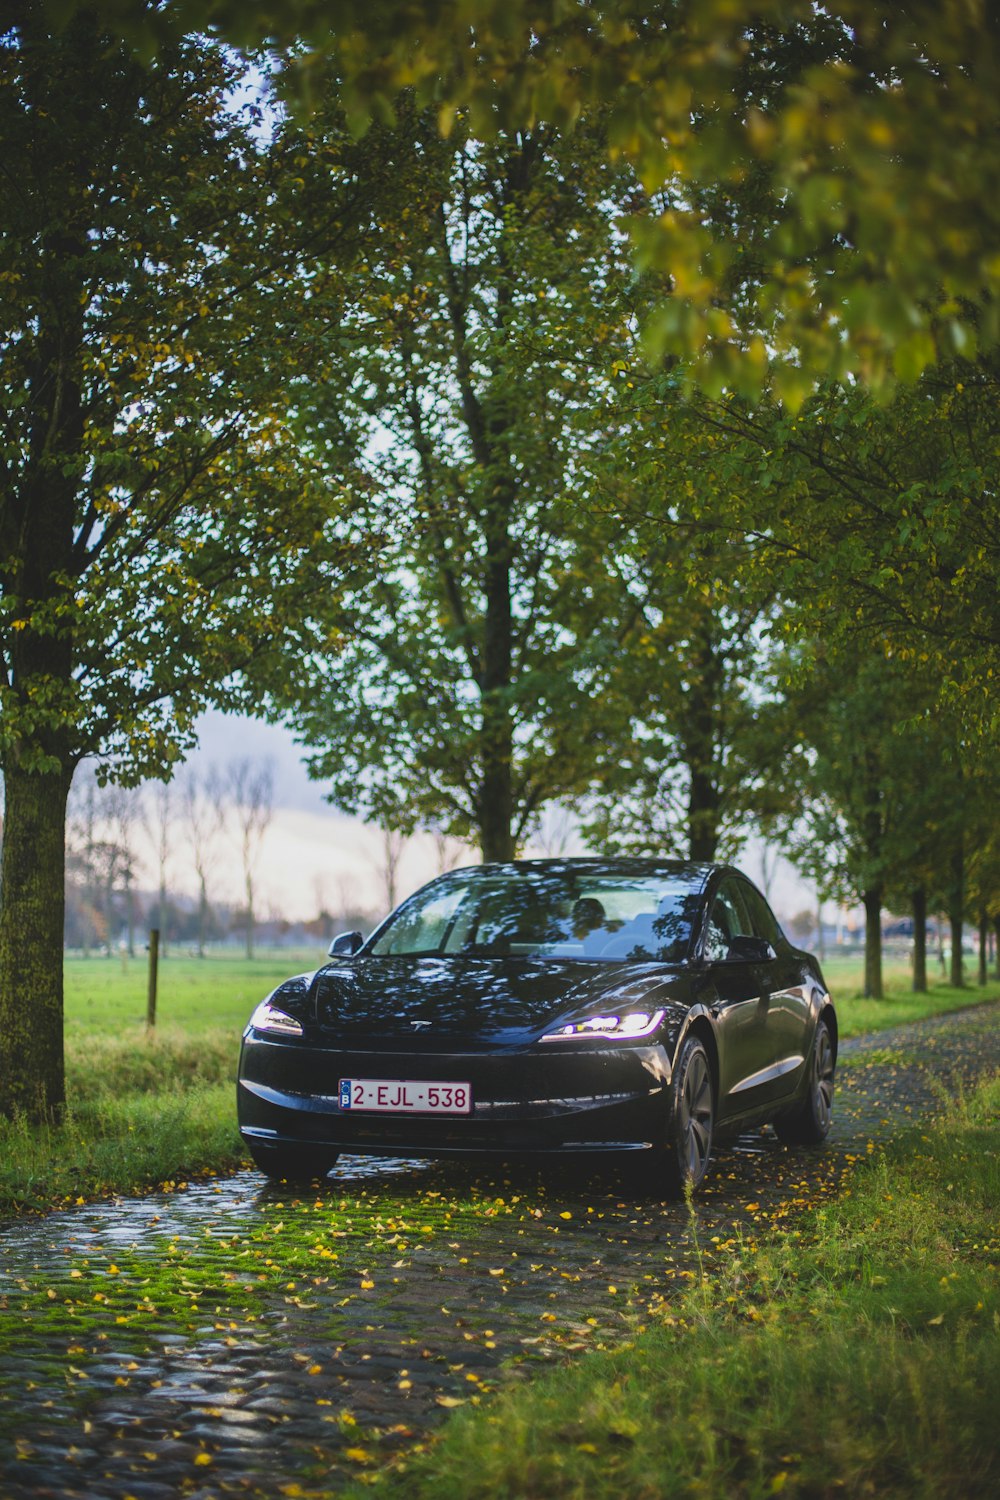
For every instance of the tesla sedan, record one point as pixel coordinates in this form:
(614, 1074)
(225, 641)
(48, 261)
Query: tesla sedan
(559, 1005)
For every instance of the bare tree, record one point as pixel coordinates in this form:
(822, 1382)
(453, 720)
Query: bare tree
(394, 842)
(101, 858)
(122, 809)
(81, 839)
(158, 818)
(448, 851)
(251, 791)
(351, 905)
(556, 831)
(769, 857)
(203, 800)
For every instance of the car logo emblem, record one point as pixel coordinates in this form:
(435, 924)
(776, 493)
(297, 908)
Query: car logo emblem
(418, 1024)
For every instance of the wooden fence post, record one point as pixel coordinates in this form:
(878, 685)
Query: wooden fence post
(154, 963)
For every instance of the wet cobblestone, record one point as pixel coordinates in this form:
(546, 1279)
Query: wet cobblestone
(447, 1279)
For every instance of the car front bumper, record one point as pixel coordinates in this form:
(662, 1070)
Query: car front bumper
(554, 1097)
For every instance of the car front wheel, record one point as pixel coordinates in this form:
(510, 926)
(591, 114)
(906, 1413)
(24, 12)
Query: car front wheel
(292, 1163)
(692, 1119)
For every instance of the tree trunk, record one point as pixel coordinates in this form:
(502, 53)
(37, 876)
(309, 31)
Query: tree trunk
(162, 916)
(699, 732)
(496, 791)
(32, 914)
(873, 944)
(984, 948)
(496, 809)
(919, 900)
(130, 911)
(703, 816)
(820, 953)
(248, 887)
(202, 915)
(956, 914)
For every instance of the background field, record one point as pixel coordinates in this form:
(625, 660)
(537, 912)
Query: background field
(108, 996)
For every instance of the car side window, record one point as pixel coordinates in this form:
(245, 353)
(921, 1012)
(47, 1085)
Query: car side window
(727, 920)
(763, 922)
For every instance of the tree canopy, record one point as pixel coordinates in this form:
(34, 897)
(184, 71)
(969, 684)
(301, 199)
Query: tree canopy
(472, 366)
(874, 125)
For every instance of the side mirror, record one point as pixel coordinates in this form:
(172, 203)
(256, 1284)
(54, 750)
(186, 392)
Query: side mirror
(345, 945)
(750, 950)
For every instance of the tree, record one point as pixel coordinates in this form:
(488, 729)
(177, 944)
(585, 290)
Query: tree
(160, 820)
(160, 533)
(251, 797)
(688, 737)
(876, 782)
(475, 356)
(204, 803)
(875, 122)
(881, 519)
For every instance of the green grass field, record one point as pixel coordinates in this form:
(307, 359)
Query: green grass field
(108, 996)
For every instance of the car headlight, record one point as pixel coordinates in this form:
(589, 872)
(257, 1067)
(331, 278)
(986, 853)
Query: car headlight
(625, 1027)
(267, 1017)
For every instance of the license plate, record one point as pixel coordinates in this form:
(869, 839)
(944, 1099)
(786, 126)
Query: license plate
(406, 1096)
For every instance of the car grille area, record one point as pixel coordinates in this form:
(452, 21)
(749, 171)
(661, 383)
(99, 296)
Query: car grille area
(603, 1098)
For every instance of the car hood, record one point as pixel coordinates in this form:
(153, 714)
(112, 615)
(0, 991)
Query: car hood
(476, 1001)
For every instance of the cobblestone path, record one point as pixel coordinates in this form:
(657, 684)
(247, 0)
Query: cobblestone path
(232, 1338)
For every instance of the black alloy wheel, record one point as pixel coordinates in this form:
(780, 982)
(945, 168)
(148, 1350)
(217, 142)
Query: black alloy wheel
(692, 1119)
(292, 1163)
(810, 1123)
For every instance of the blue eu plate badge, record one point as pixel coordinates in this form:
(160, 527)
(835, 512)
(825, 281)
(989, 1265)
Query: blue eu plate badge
(345, 1093)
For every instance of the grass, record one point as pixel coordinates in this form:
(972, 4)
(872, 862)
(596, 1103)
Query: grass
(857, 1354)
(147, 1108)
(198, 994)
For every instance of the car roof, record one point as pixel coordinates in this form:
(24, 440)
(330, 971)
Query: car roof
(694, 872)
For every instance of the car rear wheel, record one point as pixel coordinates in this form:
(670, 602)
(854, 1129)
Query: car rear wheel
(293, 1163)
(810, 1122)
(692, 1119)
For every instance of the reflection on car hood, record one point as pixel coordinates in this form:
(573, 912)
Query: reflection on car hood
(490, 1000)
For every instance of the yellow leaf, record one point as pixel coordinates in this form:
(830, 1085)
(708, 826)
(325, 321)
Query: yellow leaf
(449, 1401)
(358, 1455)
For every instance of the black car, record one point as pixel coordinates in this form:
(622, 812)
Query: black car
(543, 1006)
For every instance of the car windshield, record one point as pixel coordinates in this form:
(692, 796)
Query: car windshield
(553, 911)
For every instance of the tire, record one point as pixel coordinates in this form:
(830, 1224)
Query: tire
(809, 1123)
(292, 1163)
(692, 1120)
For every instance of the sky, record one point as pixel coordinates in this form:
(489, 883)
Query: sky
(315, 857)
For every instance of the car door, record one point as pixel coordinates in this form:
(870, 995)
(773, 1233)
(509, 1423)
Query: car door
(788, 987)
(739, 1004)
